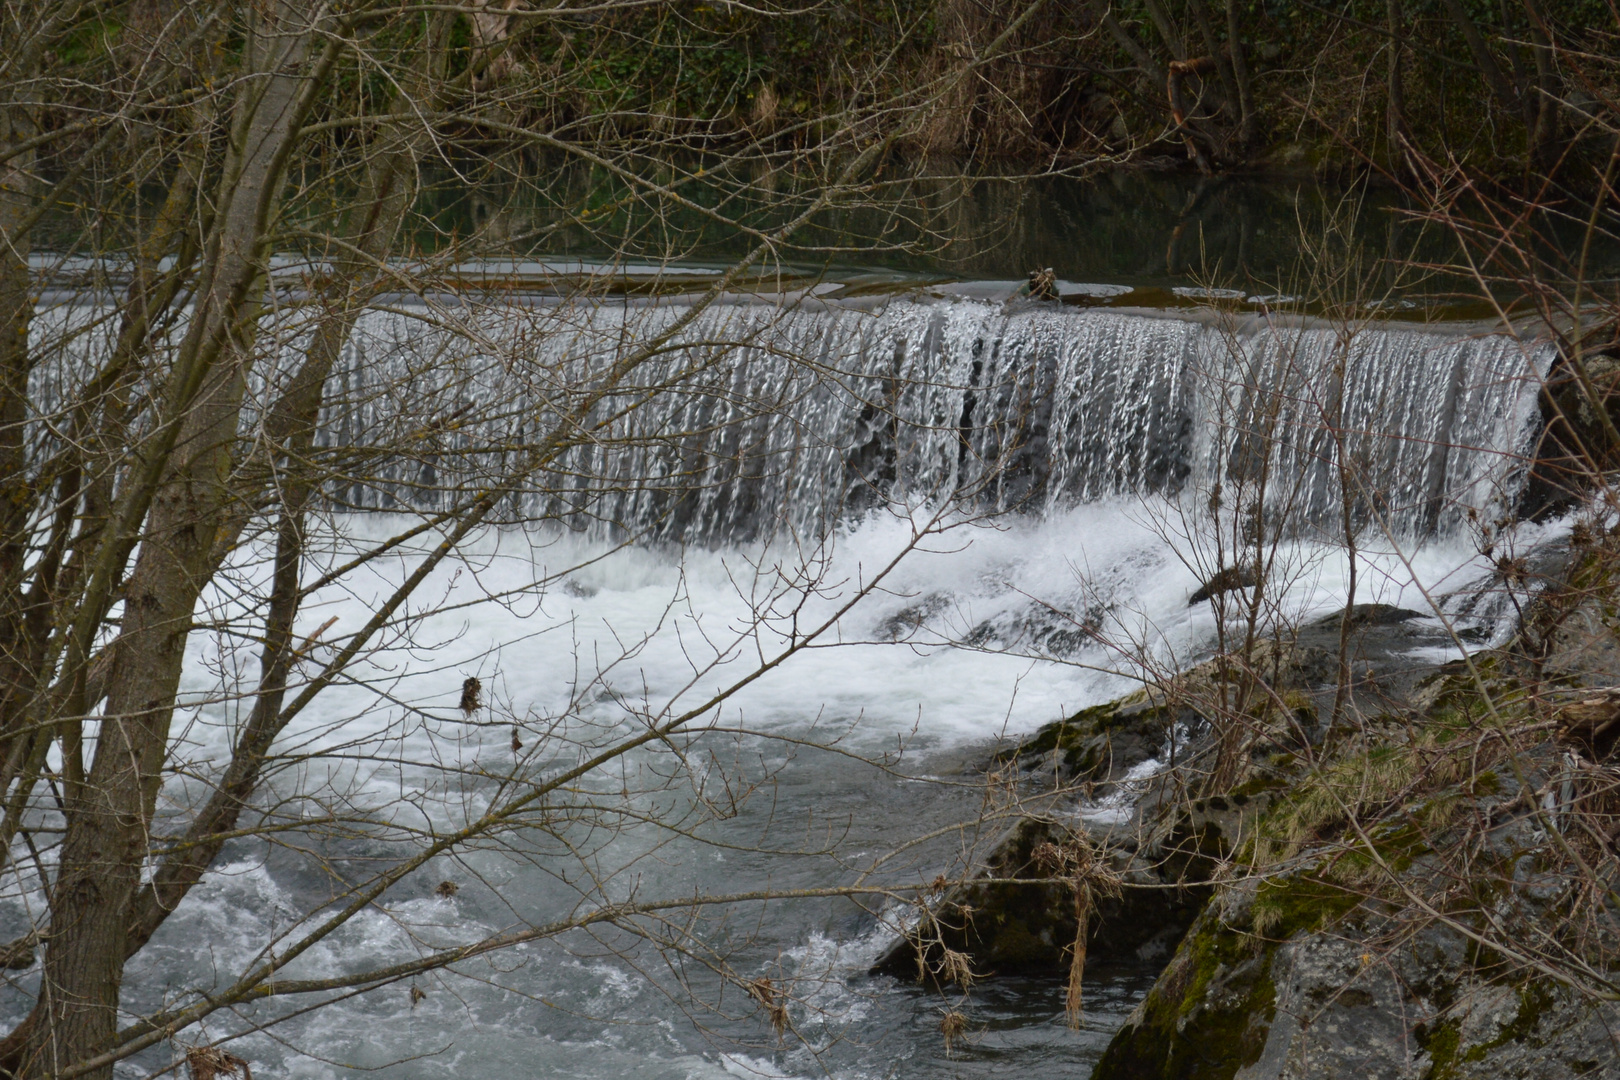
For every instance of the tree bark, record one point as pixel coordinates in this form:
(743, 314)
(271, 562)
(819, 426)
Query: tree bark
(1223, 61)
(1168, 30)
(1483, 58)
(372, 224)
(16, 315)
(1545, 134)
(1126, 40)
(1395, 85)
(110, 816)
(1248, 121)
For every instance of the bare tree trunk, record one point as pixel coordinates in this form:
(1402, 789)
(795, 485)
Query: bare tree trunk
(1248, 121)
(1223, 63)
(16, 313)
(1179, 70)
(1395, 111)
(110, 815)
(1483, 58)
(1544, 133)
(372, 225)
(1127, 41)
(1168, 30)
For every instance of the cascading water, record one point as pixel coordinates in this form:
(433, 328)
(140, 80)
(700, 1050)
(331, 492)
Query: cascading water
(789, 418)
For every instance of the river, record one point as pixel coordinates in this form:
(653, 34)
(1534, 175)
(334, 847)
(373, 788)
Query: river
(1073, 445)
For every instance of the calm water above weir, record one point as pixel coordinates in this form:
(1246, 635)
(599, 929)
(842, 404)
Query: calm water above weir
(1151, 232)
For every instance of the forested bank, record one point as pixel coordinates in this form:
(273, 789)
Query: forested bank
(1233, 84)
(1506, 89)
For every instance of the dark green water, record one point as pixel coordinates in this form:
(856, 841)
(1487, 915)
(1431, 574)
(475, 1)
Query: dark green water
(1153, 232)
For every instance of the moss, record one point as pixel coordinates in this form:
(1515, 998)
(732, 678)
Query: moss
(1287, 906)
(1083, 742)
(1442, 1042)
(1534, 1000)
(1069, 734)
(1455, 700)
(1394, 847)
(1207, 1016)
(1258, 784)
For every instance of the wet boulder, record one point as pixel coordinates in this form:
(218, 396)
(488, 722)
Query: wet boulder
(1098, 744)
(998, 926)
(1225, 580)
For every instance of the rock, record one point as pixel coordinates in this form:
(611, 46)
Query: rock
(1099, 744)
(1162, 856)
(1580, 642)
(1370, 615)
(1307, 967)
(1321, 997)
(1592, 723)
(1010, 929)
(1574, 450)
(1228, 579)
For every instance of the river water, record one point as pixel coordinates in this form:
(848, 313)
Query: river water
(1065, 450)
(605, 1004)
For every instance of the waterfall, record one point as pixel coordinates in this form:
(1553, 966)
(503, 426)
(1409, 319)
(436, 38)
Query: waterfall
(756, 418)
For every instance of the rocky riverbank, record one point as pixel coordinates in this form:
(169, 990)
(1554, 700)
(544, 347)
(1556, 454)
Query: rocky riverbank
(1411, 876)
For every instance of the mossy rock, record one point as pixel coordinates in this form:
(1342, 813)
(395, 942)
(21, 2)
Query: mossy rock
(1016, 929)
(1097, 743)
(1208, 1014)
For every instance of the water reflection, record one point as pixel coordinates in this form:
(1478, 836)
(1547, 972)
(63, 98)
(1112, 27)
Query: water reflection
(1261, 235)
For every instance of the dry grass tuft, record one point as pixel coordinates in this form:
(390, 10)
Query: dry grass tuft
(1089, 877)
(956, 967)
(210, 1062)
(1077, 971)
(773, 1001)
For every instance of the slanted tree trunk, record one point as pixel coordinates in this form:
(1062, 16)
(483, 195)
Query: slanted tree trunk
(372, 224)
(1126, 40)
(1484, 59)
(109, 816)
(1169, 31)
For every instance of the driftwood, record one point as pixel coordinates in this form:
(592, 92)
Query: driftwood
(1043, 284)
